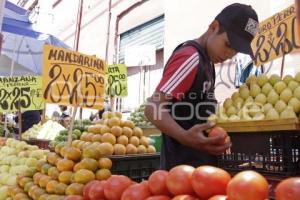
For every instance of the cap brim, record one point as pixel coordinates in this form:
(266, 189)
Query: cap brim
(239, 44)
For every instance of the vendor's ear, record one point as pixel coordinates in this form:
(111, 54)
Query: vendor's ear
(214, 26)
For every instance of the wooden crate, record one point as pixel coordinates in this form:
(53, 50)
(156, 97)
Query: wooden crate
(261, 125)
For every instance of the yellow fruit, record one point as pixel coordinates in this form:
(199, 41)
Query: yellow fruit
(107, 115)
(135, 141)
(89, 137)
(96, 138)
(37, 177)
(127, 131)
(103, 174)
(86, 144)
(96, 129)
(131, 149)
(77, 167)
(116, 131)
(118, 114)
(50, 186)
(63, 151)
(142, 149)
(75, 143)
(65, 165)
(52, 158)
(105, 129)
(114, 121)
(119, 149)
(91, 152)
(84, 176)
(137, 131)
(65, 177)
(83, 137)
(60, 188)
(106, 149)
(58, 147)
(123, 140)
(89, 164)
(40, 164)
(151, 149)
(75, 189)
(45, 168)
(105, 163)
(53, 172)
(44, 181)
(105, 122)
(73, 153)
(144, 141)
(80, 145)
(21, 196)
(108, 137)
(129, 124)
(23, 180)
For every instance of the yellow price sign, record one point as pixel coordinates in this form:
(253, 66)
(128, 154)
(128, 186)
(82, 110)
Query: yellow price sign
(72, 78)
(277, 35)
(21, 93)
(116, 77)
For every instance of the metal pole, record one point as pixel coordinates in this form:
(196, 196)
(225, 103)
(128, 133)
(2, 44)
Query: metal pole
(108, 31)
(2, 4)
(77, 35)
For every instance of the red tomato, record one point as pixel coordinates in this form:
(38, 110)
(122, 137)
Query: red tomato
(248, 185)
(115, 186)
(208, 181)
(87, 188)
(219, 131)
(136, 192)
(74, 197)
(159, 197)
(97, 191)
(179, 180)
(184, 197)
(157, 182)
(218, 197)
(288, 189)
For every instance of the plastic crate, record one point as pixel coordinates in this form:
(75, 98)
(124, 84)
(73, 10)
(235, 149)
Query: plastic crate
(271, 153)
(137, 167)
(42, 144)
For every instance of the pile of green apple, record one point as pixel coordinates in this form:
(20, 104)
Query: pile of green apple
(17, 158)
(262, 98)
(138, 117)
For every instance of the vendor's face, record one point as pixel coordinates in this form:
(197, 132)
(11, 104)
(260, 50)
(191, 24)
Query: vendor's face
(67, 122)
(218, 46)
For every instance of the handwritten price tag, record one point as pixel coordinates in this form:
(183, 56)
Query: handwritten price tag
(72, 78)
(116, 77)
(277, 35)
(21, 92)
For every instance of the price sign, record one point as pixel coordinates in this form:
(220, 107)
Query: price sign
(72, 78)
(21, 92)
(116, 77)
(277, 35)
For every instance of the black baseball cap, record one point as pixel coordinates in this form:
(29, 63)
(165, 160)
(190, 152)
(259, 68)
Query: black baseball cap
(240, 22)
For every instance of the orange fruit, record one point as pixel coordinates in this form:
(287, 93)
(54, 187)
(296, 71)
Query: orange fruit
(108, 137)
(103, 174)
(105, 163)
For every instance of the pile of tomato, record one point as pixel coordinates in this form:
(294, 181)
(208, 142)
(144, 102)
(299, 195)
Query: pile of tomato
(188, 183)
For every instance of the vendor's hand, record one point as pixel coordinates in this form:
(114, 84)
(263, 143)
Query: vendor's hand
(195, 138)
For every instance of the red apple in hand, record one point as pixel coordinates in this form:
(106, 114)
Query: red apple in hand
(219, 131)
